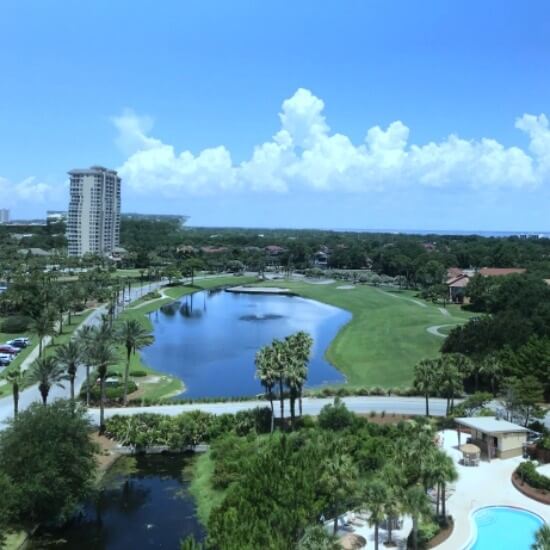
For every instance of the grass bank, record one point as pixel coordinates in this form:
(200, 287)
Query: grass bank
(206, 497)
(387, 334)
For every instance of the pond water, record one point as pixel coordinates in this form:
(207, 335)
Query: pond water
(209, 339)
(145, 504)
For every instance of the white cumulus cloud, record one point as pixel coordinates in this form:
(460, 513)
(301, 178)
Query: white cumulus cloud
(305, 153)
(29, 190)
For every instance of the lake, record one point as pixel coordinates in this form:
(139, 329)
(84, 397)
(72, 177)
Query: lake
(209, 339)
(145, 504)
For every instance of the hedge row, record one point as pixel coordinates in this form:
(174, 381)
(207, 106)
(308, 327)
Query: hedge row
(528, 473)
(186, 429)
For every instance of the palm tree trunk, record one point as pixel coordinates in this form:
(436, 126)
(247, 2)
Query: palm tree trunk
(40, 338)
(390, 529)
(292, 408)
(15, 389)
(126, 374)
(415, 533)
(427, 405)
(437, 499)
(272, 411)
(44, 390)
(87, 385)
(101, 405)
(335, 523)
(282, 401)
(300, 401)
(71, 381)
(376, 536)
(443, 508)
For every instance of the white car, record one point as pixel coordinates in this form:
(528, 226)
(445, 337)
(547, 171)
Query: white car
(5, 359)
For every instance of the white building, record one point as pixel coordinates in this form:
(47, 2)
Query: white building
(4, 215)
(94, 211)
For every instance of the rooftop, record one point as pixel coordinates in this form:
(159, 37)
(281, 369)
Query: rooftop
(490, 424)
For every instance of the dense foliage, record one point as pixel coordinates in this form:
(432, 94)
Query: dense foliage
(47, 460)
(513, 331)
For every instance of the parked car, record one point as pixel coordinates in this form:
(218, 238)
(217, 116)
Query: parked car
(18, 342)
(5, 359)
(6, 348)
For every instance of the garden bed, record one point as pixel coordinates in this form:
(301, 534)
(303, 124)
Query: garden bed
(540, 495)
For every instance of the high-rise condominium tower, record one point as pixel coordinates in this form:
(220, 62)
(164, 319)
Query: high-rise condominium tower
(94, 211)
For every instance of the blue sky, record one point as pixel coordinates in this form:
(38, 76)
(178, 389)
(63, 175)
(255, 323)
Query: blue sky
(344, 114)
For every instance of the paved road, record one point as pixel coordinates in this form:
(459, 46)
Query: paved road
(312, 406)
(31, 394)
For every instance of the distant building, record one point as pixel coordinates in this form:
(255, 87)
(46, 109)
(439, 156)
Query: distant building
(56, 216)
(458, 279)
(94, 211)
(4, 215)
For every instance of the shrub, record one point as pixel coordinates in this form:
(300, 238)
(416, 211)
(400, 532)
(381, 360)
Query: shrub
(113, 391)
(15, 324)
(336, 416)
(528, 473)
(138, 373)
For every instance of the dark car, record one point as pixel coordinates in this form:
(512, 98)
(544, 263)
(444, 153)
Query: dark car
(6, 348)
(18, 342)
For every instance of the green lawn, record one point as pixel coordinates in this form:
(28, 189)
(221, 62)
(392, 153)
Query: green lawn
(387, 335)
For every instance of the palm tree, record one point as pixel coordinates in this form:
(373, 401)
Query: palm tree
(133, 336)
(279, 364)
(375, 500)
(61, 303)
(103, 354)
(266, 375)
(450, 379)
(16, 378)
(302, 343)
(43, 325)
(424, 379)
(70, 355)
(417, 505)
(542, 538)
(491, 368)
(46, 372)
(85, 339)
(339, 480)
(444, 472)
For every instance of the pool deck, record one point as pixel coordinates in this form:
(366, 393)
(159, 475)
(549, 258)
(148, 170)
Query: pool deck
(488, 484)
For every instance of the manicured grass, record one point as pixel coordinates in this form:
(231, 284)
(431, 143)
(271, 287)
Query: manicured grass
(387, 335)
(201, 488)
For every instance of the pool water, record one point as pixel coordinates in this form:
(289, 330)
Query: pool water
(505, 528)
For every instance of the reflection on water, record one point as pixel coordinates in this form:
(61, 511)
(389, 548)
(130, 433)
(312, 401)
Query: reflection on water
(209, 339)
(145, 504)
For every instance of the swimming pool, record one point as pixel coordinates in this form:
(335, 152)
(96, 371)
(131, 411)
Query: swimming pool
(504, 528)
